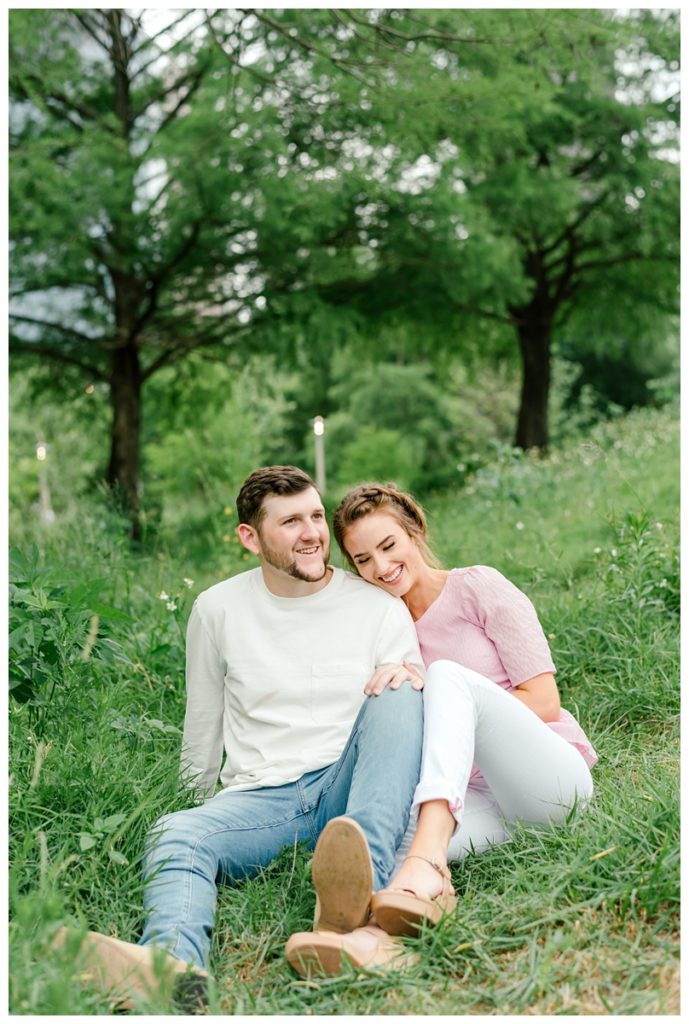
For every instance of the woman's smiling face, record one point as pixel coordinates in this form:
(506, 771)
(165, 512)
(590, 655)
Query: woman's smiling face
(384, 553)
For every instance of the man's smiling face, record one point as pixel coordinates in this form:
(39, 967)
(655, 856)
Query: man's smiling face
(292, 538)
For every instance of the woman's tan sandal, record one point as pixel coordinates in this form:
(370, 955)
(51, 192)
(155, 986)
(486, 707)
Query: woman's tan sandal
(403, 912)
(325, 952)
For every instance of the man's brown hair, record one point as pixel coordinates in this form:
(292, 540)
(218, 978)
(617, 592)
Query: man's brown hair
(264, 482)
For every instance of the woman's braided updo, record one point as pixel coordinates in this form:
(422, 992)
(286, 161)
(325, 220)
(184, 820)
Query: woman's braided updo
(366, 499)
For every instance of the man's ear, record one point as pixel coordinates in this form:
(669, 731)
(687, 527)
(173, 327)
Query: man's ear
(249, 538)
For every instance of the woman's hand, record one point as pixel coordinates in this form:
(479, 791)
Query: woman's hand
(393, 676)
(541, 695)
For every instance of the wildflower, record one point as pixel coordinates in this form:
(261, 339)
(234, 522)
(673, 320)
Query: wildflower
(659, 526)
(663, 584)
(226, 538)
(519, 526)
(551, 636)
(597, 551)
(227, 511)
(613, 552)
(163, 596)
(171, 606)
(188, 583)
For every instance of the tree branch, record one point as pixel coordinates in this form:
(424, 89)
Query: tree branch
(30, 349)
(569, 229)
(442, 37)
(72, 332)
(629, 257)
(218, 332)
(161, 273)
(150, 40)
(266, 79)
(198, 78)
(344, 65)
(88, 27)
(34, 91)
(194, 77)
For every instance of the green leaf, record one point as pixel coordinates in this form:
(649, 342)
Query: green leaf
(163, 726)
(21, 689)
(118, 858)
(86, 841)
(111, 823)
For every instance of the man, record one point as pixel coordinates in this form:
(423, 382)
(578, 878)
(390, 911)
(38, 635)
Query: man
(294, 672)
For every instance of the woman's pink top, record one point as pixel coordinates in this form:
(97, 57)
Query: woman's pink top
(485, 623)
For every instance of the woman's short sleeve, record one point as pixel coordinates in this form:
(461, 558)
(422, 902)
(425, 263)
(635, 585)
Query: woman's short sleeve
(510, 621)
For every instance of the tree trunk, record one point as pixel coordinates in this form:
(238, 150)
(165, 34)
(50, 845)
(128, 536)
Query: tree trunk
(125, 371)
(534, 341)
(125, 400)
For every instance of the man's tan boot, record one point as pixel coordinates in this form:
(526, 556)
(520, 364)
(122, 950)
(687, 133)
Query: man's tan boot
(126, 970)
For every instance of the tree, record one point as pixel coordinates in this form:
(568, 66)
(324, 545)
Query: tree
(156, 188)
(552, 187)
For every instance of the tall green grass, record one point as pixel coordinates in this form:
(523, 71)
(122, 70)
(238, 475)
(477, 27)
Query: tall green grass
(579, 920)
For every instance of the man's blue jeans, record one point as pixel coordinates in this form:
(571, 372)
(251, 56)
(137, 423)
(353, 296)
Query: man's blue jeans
(235, 834)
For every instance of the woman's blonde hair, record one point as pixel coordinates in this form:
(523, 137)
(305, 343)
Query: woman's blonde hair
(366, 499)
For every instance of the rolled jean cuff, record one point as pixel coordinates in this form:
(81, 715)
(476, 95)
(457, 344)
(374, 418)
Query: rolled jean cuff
(438, 791)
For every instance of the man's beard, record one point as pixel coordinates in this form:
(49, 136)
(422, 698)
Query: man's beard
(289, 566)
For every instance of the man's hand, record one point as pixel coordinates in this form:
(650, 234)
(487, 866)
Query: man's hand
(393, 676)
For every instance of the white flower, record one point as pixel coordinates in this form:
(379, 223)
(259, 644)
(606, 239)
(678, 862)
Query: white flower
(188, 582)
(163, 596)
(519, 526)
(171, 606)
(596, 551)
(613, 552)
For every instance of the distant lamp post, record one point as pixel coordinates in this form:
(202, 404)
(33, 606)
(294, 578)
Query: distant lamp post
(319, 445)
(45, 508)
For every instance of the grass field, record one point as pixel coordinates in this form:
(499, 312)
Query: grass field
(573, 921)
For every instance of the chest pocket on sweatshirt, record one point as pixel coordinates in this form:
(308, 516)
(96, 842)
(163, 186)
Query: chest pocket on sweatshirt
(337, 691)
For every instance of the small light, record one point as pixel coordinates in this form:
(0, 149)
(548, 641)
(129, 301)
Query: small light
(41, 452)
(319, 426)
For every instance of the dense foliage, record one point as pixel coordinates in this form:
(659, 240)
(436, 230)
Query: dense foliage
(379, 186)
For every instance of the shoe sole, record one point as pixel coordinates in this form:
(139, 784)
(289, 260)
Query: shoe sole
(342, 873)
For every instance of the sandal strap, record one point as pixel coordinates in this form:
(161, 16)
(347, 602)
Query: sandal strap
(442, 869)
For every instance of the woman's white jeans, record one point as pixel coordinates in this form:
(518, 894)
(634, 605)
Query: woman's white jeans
(530, 774)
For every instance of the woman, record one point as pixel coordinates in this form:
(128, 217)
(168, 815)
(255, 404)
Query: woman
(498, 748)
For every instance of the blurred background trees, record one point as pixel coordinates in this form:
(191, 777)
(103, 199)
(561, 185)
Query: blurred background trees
(441, 229)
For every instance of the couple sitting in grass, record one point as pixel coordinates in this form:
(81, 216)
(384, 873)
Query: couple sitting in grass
(308, 697)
